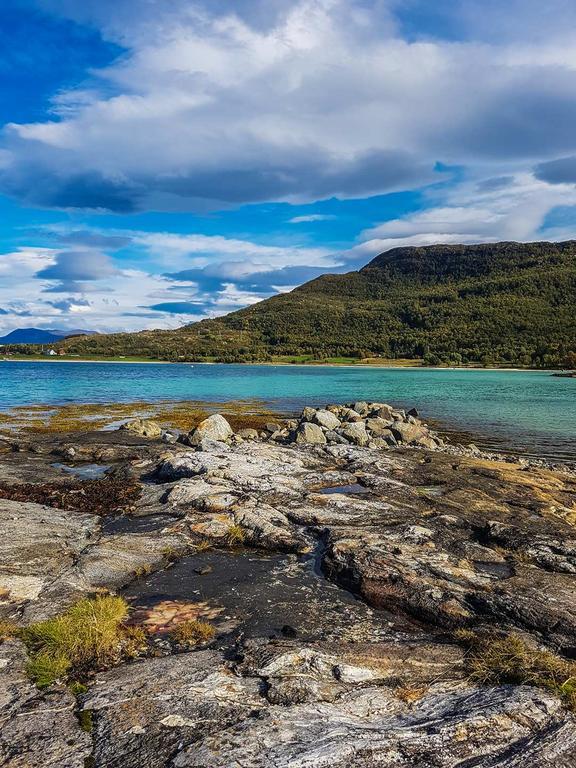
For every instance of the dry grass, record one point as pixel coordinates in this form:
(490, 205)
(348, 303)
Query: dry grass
(7, 630)
(493, 660)
(193, 632)
(235, 536)
(90, 635)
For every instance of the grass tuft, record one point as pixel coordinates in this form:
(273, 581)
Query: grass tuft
(493, 660)
(235, 536)
(90, 635)
(47, 667)
(193, 632)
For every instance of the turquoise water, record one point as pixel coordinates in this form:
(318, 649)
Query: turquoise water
(527, 411)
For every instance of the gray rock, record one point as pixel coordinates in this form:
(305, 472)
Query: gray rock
(355, 433)
(248, 434)
(310, 433)
(208, 445)
(378, 426)
(334, 437)
(38, 547)
(38, 730)
(407, 433)
(144, 713)
(215, 427)
(143, 427)
(326, 419)
(382, 411)
(367, 728)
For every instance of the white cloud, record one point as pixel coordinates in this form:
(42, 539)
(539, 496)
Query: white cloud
(326, 98)
(513, 208)
(311, 218)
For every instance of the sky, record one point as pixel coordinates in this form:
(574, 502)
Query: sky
(163, 161)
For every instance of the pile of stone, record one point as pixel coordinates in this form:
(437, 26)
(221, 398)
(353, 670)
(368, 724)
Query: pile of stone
(375, 425)
(371, 425)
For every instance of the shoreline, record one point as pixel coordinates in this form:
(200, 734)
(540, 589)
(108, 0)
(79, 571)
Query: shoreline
(294, 365)
(105, 416)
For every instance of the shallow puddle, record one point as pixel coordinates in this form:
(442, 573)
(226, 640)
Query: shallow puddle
(83, 471)
(261, 594)
(353, 488)
(127, 524)
(498, 570)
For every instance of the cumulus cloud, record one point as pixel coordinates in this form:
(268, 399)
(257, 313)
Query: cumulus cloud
(187, 275)
(510, 208)
(213, 105)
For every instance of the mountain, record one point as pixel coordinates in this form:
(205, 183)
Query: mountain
(501, 303)
(39, 336)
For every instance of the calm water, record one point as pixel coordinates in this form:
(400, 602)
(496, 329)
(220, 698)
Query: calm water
(527, 411)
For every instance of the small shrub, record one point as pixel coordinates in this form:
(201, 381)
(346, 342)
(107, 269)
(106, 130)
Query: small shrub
(87, 636)
(493, 660)
(235, 536)
(193, 632)
(77, 689)
(203, 546)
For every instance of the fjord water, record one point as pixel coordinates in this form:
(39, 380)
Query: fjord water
(527, 411)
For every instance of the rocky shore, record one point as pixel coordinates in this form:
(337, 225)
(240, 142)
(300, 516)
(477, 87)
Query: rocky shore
(375, 596)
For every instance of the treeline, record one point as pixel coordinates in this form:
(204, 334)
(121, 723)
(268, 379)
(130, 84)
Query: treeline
(502, 304)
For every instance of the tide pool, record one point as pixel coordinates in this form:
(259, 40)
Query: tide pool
(525, 411)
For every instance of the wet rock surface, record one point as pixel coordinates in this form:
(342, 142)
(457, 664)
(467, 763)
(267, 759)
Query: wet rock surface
(334, 570)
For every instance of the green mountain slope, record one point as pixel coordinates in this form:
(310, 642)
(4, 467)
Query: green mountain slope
(500, 303)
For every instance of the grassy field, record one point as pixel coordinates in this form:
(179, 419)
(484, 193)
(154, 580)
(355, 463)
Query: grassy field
(279, 360)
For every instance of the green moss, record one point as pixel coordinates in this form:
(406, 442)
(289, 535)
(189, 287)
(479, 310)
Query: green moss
(86, 721)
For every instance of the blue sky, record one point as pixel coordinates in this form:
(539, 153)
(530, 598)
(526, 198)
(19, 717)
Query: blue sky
(161, 162)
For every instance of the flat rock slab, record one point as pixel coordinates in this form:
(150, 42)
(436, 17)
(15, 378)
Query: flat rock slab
(38, 546)
(145, 712)
(473, 727)
(36, 730)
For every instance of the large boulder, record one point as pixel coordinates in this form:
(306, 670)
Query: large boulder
(326, 419)
(310, 433)
(215, 427)
(407, 433)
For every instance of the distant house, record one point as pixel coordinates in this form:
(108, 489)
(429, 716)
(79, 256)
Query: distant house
(50, 353)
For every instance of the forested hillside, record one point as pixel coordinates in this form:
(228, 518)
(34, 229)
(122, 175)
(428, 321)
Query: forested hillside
(504, 303)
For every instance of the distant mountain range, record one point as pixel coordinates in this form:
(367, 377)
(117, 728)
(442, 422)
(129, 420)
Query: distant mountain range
(496, 304)
(40, 336)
